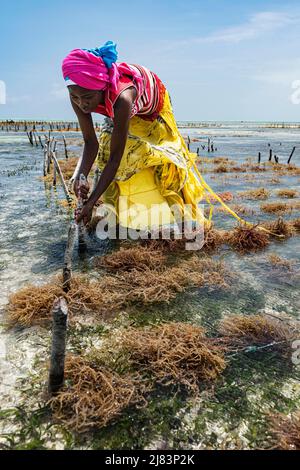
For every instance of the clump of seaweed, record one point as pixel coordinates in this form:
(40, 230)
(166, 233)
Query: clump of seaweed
(282, 169)
(279, 227)
(33, 304)
(175, 353)
(93, 394)
(68, 166)
(239, 209)
(222, 168)
(213, 239)
(260, 193)
(287, 193)
(223, 160)
(239, 332)
(279, 262)
(295, 223)
(98, 388)
(286, 430)
(226, 196)
(275, 207)
(245, 238)
(280, 207)
(239, 169)
(139, 258)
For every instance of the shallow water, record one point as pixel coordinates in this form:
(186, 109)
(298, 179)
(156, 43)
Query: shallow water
(33, 228)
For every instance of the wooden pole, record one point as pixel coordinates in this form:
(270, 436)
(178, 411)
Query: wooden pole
(81, 228)
(48, 158)
(54, 175)
(29, 135)
(67, 194)
(65, 145)
(67, 269)
(58, 346)
(45, 159)
(270, 157)
(42, 145)
(35, 139)
(290, 157)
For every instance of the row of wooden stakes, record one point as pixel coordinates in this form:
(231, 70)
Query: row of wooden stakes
(25, 126)
(276, 159)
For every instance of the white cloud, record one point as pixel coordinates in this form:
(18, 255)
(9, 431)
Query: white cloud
(257, 25)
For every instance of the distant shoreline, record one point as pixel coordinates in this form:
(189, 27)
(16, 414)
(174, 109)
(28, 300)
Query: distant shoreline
(180, 124)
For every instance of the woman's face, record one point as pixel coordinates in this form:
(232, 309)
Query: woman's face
(86, 100)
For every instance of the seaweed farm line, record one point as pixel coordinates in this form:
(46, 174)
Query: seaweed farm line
(232, 405)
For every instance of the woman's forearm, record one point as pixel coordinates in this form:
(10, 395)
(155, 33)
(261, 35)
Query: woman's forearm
(106, 178)
(89, 155)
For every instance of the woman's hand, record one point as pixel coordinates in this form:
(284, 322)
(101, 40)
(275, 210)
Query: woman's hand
(81, 190)
(85, 213)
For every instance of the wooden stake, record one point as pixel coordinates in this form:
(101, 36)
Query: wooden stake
(81, 228)
(54, 175)
(45, 159)
(65, 144)
(270, 157)
(58, 347)
(35, 139)
(67, 194)
(67, 269)
(290, 157)
(29, 135)
(42, 145)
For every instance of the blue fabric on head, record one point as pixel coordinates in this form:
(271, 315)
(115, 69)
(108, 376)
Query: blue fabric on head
(108, 53)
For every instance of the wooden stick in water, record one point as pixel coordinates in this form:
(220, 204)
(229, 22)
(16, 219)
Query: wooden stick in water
(42, 145)
(294, 148)
(29, 135)
(67, 269)
(45, 159)
(65, 144)
(54, 175)
(66, 191)
(35, 139)
(81, 228)
(58, 347)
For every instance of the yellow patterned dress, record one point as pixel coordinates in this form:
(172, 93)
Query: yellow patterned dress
(156, 171)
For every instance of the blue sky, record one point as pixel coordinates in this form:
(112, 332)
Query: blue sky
(220, 60)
